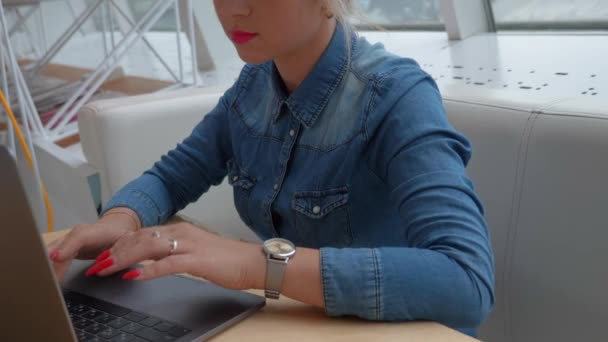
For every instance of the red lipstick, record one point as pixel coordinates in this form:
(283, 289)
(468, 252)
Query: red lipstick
(242, 37)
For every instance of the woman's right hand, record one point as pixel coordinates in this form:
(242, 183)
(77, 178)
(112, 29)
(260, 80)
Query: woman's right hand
(86, 241)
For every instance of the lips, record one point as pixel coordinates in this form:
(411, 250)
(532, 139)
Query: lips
(242, 37)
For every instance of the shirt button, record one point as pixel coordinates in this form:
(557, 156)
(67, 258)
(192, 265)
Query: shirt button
(235, 178)
(316, 209)
(276, 186)
(292, 133)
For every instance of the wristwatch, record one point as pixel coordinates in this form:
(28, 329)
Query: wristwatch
(278, 252)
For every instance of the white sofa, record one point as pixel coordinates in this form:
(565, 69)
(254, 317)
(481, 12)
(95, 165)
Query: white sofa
(538, 166)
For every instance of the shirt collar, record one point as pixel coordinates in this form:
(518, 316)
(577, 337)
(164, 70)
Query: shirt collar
(309, 99)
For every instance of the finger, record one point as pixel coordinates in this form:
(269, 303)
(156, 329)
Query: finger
(55, 243)
(103, 256)
(99, 266)
(134, 249)
(170, 265)
(52, 248)
(80, 237)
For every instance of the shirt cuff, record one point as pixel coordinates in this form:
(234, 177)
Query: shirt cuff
(148, 197)
(352, 282)
(140, 203)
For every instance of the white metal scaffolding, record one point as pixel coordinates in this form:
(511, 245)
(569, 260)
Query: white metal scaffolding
(29, 115)
(114, 50)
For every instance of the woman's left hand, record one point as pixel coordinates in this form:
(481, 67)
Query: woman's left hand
(230, 264)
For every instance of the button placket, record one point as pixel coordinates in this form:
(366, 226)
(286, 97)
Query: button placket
(284, 157)
(284, 162)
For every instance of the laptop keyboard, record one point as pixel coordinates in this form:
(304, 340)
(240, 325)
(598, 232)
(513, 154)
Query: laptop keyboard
(97, 320)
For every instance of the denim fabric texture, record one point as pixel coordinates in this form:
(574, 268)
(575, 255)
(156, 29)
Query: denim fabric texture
(360, 162)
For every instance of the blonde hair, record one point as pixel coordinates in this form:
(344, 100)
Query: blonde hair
(345, 10)
(342, 9)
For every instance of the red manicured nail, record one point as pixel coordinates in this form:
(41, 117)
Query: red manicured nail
(103, 256)
(98, 267)
(54, 255)
(131, 274)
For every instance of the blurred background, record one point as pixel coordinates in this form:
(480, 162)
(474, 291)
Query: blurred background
(508, 14)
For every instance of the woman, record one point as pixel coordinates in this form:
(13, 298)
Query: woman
(333, 144)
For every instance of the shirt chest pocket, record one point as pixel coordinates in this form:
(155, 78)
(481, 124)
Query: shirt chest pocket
(322, 218)
(242, 184)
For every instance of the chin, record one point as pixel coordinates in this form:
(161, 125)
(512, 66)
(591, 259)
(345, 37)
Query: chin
(251, 57)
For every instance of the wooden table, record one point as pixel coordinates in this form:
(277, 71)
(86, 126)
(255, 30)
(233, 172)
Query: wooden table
(294, 321)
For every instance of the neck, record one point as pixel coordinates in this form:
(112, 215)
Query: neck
(295, 66)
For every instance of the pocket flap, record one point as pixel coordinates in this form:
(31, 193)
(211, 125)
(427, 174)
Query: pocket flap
(238, 178)
(317, 204)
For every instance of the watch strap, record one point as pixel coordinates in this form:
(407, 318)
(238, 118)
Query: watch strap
(275, 270)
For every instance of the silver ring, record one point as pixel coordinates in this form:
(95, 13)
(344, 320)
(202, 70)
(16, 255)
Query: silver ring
(156, 234)
(173, 246)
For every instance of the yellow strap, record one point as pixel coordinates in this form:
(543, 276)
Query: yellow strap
(47, 203)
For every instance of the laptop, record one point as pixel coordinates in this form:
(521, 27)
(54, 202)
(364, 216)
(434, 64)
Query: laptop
(34, 307)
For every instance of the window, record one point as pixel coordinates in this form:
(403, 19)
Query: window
(400, 14)
(166, 21)
(138, 9)
(551, 14)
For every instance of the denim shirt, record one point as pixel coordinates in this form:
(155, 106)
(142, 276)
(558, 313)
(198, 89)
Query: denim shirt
(360, 162)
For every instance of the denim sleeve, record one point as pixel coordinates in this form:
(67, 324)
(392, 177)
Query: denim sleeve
(183, 174)
(445, 270)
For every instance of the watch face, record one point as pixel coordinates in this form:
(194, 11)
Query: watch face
(279, 247)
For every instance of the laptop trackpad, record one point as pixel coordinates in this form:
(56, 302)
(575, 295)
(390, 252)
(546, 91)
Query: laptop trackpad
(196, 305)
